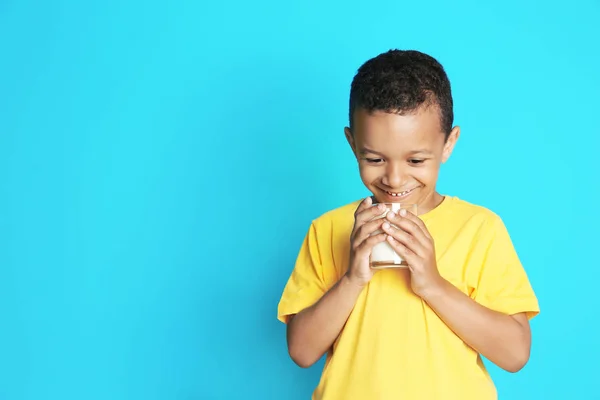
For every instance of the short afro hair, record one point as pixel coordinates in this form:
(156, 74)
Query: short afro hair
(401, 81)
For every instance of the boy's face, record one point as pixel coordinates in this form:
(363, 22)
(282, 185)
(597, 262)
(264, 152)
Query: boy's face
(399, 156)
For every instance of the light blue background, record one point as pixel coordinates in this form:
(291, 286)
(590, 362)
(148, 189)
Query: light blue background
(160, 165)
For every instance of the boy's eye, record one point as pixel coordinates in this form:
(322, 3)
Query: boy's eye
(416, 161)
(374, 160)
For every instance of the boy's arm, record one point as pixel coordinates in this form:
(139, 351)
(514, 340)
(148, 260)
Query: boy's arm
(503, 339)
(311, 332)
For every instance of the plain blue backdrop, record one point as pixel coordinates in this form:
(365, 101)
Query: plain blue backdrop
(160, 163)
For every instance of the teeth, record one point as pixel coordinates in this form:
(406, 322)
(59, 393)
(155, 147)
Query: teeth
(398, 194)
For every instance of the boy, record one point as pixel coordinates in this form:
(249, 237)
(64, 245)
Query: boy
(411, 333)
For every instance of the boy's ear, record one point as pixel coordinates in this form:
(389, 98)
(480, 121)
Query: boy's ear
(350, 139)
(450, 143)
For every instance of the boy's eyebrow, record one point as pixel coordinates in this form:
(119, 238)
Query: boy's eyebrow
(365, 150)
(421, 151)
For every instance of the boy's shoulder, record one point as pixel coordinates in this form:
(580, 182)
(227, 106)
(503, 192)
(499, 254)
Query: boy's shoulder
(341, 213)
(452, 208)
(469, 209)
(458, 215)
(450, 205)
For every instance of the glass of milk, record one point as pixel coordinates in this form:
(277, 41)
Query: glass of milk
(382, 254)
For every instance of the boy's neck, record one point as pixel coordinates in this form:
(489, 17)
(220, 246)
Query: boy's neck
(430, 203)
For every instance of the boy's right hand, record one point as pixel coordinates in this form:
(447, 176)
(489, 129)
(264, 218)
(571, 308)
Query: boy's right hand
(361, 241)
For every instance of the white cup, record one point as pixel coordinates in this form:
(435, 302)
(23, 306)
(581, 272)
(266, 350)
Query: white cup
(383, 254)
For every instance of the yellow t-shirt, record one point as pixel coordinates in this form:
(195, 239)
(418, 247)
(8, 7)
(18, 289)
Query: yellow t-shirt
(393, 345)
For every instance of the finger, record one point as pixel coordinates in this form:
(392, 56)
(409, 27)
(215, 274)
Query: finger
(366, 230)
(406, 239)
(409, 225)
(408, 255)
(367, 201)
(417, 221)
(371, 241)
(364, 204)
(369, 213)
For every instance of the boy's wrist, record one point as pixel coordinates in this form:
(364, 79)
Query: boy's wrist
(436, 292)
(347, 280)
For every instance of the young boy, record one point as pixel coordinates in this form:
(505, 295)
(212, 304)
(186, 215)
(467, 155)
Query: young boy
(413, 333)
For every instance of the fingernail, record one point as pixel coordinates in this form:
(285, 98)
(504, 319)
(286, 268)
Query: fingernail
(403, 212)
(392, 214)
(380, 207)
(386, 226)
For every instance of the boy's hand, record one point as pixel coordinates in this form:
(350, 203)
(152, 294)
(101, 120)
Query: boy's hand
(361, 241)
(412, 241)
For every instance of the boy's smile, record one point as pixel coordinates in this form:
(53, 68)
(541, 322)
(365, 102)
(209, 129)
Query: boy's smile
(399, 156)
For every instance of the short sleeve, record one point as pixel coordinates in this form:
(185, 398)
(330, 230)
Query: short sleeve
(503, 284)
(306, 284)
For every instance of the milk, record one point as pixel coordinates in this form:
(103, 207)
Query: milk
(383, 254)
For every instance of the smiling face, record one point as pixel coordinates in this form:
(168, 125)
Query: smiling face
(399, 156)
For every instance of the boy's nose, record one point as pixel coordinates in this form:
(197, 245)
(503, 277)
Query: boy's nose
(394, 177)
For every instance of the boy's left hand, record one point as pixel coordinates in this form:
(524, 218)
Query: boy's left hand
(412, 241)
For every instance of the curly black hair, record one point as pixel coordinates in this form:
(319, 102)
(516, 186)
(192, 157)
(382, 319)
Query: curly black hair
(401, 81)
